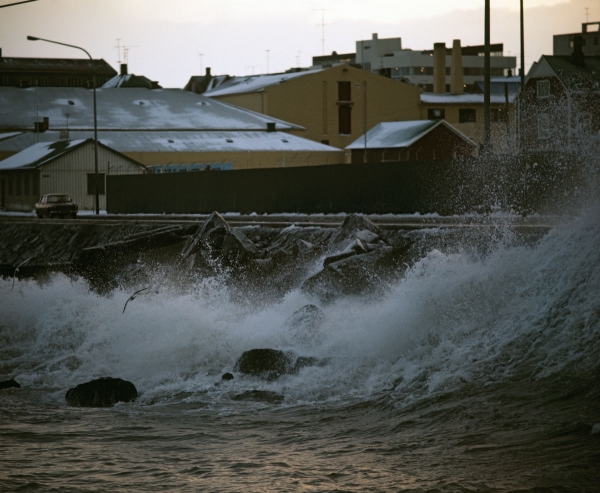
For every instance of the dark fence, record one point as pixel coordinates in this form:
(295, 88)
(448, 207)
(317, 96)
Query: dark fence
(446, 187)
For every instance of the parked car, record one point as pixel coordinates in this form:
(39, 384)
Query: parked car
(56, 205)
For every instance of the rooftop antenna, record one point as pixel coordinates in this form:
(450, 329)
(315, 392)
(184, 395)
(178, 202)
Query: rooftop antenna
(126, 53)
(322, 28)
(298, 58)
(267, 61)
(200, 55)
(587, 15)
(118, 47)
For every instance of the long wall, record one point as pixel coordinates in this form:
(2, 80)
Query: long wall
(444, 187)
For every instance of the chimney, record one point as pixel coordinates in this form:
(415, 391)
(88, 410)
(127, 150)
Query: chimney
(577, 55)
(208, 74)
(456, 69)
(123, 69)
(271, 127)
(439, 68)
(46, 123)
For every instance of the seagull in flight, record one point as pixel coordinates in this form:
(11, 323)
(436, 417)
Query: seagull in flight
(133, 296)
(17, 270)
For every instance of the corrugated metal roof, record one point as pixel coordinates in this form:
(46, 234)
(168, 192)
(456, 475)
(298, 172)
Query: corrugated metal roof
(131, 109)
(393, 135)
(38, 154)
(254, 83)
(182, 141)
(432, 98)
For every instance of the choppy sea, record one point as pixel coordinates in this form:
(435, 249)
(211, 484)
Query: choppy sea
(476, 372)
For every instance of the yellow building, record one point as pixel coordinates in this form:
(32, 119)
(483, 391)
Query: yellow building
(465, 112)
(334, 105)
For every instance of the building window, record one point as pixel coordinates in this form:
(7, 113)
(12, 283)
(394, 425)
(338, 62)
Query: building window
(467, 115)
(543, 88)
(9, 181)
(26, 184)
(18, 185)
(91, 187)
(435, 114)
(344, 91)
(543, 126)
(345, 119)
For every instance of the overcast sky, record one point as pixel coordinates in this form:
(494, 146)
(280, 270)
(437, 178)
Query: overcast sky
(170, 40)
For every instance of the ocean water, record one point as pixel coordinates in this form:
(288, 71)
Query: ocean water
(475, 372)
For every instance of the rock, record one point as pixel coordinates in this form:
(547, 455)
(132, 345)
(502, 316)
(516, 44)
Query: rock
(273, 363)
(210, 235)
(305, 324)
(102, 392)
(265, 363)
(354, 224)
(9, 384)
(236, 247)
(227, 377)
(351, 274)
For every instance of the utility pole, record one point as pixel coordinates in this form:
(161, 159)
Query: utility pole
(486, 83)
(521, 108)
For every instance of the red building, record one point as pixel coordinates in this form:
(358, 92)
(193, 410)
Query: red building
(420, 140)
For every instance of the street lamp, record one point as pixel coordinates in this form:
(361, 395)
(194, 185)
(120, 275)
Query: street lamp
(33, 38)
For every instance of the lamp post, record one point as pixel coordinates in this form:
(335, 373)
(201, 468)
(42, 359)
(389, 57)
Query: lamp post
(96, 186)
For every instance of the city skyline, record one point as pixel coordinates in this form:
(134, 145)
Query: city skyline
(169, 44)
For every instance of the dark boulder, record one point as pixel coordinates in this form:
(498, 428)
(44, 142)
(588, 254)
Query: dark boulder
(237, 247)
(273, 363)
(265, 363)
(9, 384)
(102, 392)
(349, 273)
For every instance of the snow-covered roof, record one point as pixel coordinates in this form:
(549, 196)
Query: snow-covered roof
(181, 141)
(433, 98)
(254, 83)
(131, 109)
(129, 81)
(39, 154)
(390, 135)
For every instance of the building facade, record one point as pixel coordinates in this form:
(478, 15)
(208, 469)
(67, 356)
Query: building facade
(333, 106)
(561, 103)
(53, 72)
(564, 44)
(61, 167)
(387, 57)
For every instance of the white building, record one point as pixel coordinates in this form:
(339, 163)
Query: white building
(387, 57)
(63, 166)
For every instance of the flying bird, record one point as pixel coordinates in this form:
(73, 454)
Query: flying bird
(132, 297)
(17, 270)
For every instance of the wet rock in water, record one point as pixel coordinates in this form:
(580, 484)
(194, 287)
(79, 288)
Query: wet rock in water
(351, 274)
(273, 363)
(260, 395)
(353, 226)
(9, 384)
(227, 376)
(210, 236)
(102, 392)
(305, 326)
(237, 247)
(265, 363)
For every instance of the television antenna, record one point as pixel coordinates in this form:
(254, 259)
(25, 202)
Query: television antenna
(125, 50)
(200, 55)
(322, 25)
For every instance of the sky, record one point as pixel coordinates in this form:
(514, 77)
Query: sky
(170, 40)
